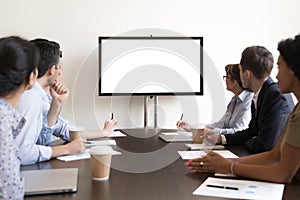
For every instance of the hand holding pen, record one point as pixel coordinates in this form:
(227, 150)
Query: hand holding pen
(182, 124)
(109, 124)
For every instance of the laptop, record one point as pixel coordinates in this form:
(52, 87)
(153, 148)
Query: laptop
(176, 138)
(50, 181)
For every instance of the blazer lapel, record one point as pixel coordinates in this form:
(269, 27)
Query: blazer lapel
(261, 94)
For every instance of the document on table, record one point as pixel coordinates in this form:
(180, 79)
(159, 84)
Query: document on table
(240, 189)
(80, 156)
(100, 143)
(187, 133)
(117, 134)
(187, 155)
(203, 146)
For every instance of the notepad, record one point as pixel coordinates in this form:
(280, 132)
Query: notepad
(203, 146)
(178, 136)
(85, 155)
(91, 143)
(240, 189)
(187, 155)
(117, 134)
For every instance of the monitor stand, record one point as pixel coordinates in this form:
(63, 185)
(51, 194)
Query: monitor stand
(146, 99)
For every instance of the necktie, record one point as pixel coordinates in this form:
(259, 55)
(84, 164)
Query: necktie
(253, 110)
(233, 107)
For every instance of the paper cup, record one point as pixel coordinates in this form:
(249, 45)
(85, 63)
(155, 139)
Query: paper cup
(101, 161)
(198, 135)
(74, 132)
(100, 167)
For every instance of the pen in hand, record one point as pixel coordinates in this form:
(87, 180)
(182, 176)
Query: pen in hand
(179, 125)
(112, 116)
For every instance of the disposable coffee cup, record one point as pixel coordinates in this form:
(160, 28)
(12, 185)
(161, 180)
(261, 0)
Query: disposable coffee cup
(74, 132)
(101, 161)
(198, 135)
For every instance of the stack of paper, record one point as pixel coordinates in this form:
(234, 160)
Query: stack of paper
(186, 133)
(187, 155)
(117, 134)
(203, 146)
(240, 189)
(100, 143)
(81, 156)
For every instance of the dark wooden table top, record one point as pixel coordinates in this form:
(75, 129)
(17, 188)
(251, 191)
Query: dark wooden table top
(148, 169)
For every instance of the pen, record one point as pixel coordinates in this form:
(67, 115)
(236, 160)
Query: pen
(112, 115)
(181, 116)
(223, 187)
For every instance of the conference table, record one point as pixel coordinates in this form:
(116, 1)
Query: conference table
(148, 168)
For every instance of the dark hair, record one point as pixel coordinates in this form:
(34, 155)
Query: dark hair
(289, 50)
(18, 59)
(49, 54)
(258, 60)
(234, 72)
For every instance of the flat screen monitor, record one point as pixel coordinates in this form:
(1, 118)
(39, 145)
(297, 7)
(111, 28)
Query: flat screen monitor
(150, 66)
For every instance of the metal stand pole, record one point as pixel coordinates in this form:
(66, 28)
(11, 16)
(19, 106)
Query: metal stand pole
(145, 111)
(155, 111)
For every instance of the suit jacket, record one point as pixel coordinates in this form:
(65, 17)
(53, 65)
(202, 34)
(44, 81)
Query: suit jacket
(267, 122)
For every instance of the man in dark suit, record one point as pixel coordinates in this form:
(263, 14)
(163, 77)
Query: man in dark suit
(270, 108)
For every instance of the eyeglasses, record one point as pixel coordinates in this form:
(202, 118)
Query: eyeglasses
(225, 77)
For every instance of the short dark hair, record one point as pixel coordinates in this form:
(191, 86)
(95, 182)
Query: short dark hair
(18, 59)
(257, 59)
(289, 50)
(49, 54)
(234, 71)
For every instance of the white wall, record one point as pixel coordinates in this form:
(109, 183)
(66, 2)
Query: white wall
(227, 27)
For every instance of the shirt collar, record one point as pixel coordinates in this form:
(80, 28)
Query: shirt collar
(243, 95)
(255, 96)
(41, 91)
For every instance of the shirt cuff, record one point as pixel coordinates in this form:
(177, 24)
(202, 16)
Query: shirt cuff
(223, 140)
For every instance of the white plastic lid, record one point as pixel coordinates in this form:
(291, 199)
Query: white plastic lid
(76, 128)
(103, 150)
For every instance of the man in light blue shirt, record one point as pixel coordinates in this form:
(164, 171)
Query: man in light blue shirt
(49, 76)
(37, 133)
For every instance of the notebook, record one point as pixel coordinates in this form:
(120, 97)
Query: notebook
(50, 181)
(176, 138)
(203, 146)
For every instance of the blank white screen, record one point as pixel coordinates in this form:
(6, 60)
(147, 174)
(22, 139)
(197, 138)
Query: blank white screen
(150, 66)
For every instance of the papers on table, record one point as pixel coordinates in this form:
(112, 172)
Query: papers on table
(187, 155)
(81, 156)
(117, 134)
(190, 134)
(225, 175)
(240, 189)
(203, 146)
(100, 143)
